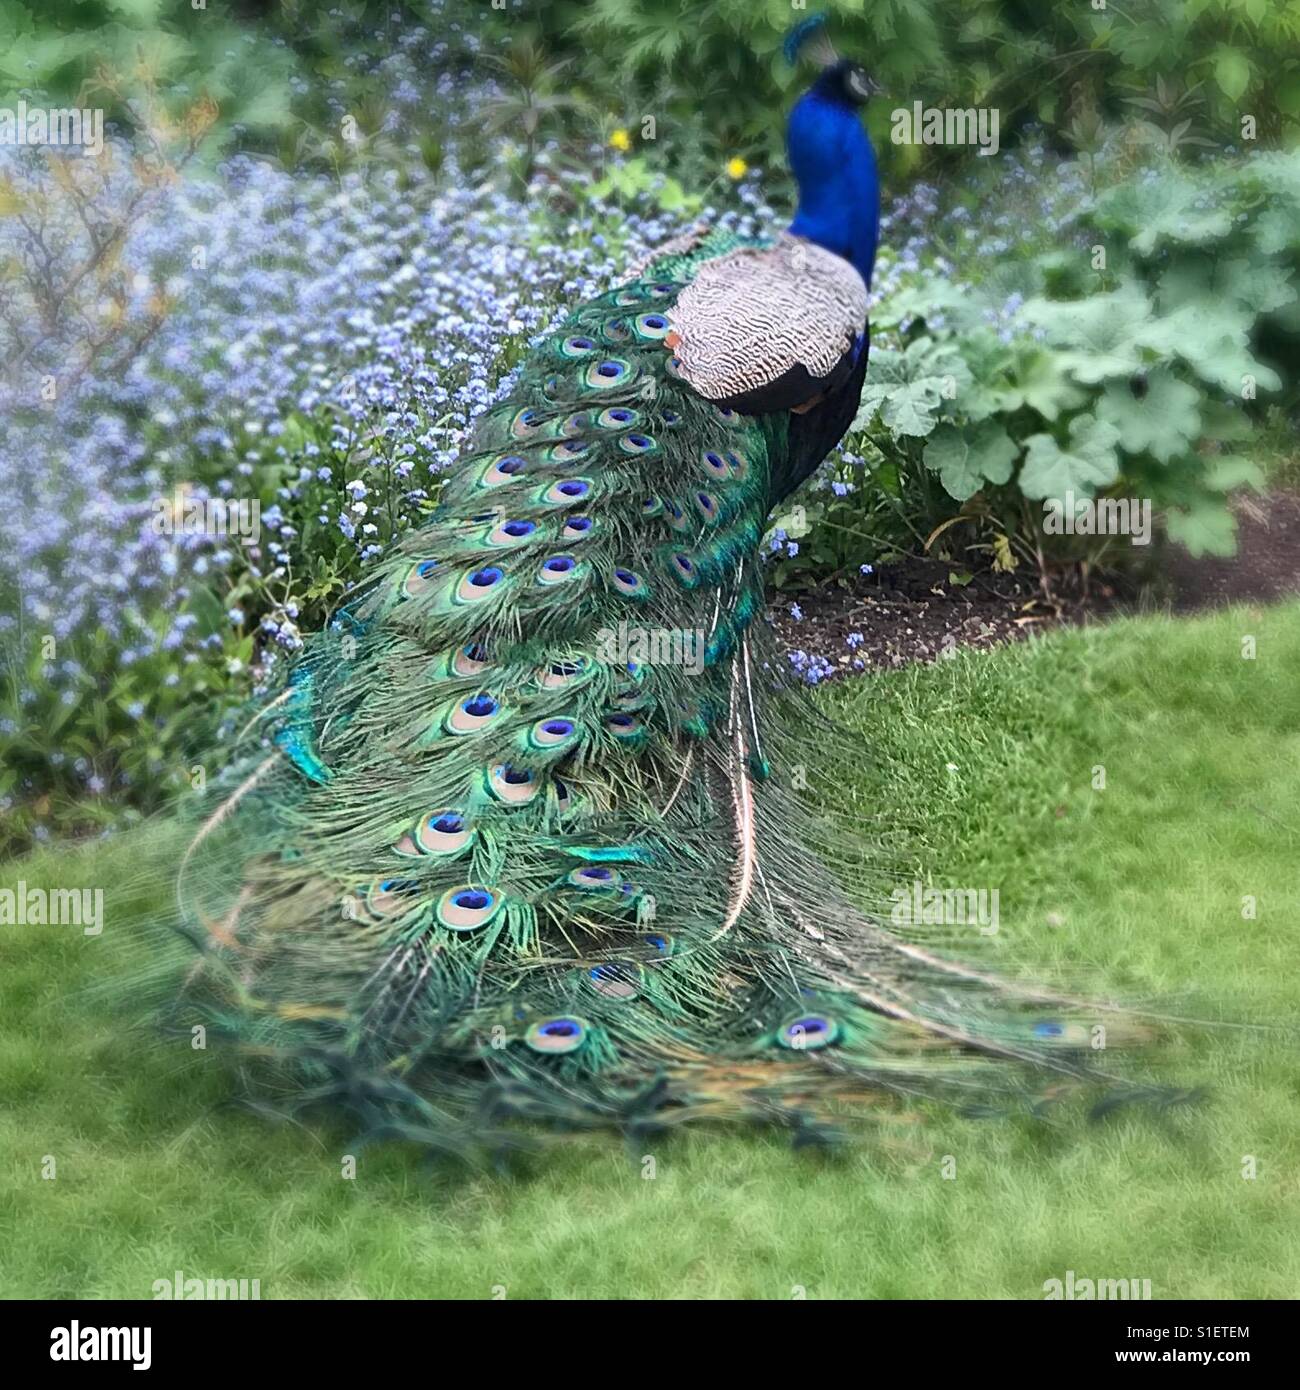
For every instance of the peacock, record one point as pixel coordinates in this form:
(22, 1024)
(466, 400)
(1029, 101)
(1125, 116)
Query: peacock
(515, 838)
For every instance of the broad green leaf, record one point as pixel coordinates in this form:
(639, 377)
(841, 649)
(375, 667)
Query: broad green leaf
(1097, 336)
(269, 106)
(1287, 94)
(1039, 380)
(1087, 462)
(36, 59)
(1171, 207)
(1233, 471)
(1231, 72)
(1213, 338)
(907, 388)
(1204, 528)
(966, 459)
(1225, 421)
(1277, 230)
(934, 298)
(794, 523)
(1258, 285)
(674, 198)
(208, 609)
(156, 52)
(1142, 44)
(1163, 421)
(1288, 319)
(987, 358)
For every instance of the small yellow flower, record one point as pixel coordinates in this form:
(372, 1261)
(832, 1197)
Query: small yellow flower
(621, 140)
(736, 167)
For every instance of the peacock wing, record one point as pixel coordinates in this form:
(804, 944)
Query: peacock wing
(770, 328)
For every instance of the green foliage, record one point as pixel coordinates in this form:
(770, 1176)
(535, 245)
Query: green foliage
(967, 457)
(129, 56)
(1135, 379)
(634, 180)
(1084, 464)
(1061, 64)
(708, 73)
(907, 388)
(139, 763)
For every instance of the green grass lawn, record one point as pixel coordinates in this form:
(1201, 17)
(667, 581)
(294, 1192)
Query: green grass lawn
(1138, 886)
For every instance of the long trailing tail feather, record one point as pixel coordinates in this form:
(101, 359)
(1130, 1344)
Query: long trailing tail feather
(516, 837)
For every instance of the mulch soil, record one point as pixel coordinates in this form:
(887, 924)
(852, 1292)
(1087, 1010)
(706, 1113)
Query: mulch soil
(914, 610)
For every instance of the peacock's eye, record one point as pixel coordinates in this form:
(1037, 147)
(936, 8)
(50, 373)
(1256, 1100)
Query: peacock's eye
(858, 83)
(809, 1031)
(558, 1035)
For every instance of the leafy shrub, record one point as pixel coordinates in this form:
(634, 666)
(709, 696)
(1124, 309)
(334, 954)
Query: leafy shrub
(122, 54)
(1041, 376)
(1062, 65)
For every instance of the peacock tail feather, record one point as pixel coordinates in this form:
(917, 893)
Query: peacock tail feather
(516, 837)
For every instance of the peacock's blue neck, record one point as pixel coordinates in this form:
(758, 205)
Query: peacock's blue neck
(835, 167)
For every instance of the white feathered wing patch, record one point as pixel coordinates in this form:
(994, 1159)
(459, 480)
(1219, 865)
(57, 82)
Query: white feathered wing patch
(750, 316)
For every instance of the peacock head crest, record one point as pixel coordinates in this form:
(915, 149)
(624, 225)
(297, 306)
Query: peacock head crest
(842, 80)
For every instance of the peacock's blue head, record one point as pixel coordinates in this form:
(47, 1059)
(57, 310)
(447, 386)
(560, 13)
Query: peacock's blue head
(835, 167)
(846, 82)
